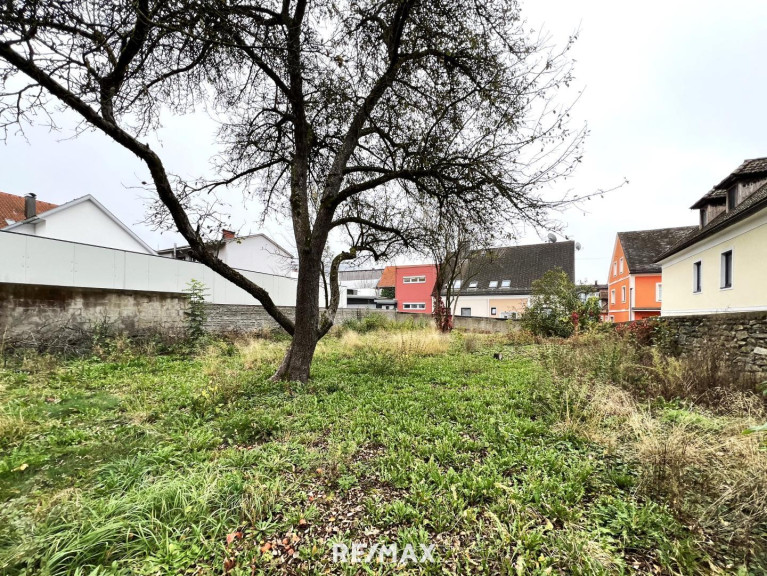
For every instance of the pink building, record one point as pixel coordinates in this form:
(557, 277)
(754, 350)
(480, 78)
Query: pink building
(413, 286)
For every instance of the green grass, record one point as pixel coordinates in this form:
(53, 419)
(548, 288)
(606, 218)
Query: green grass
(144, 465)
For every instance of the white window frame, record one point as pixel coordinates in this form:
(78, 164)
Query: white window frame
(615, 268)
(697, 277)
(722, 271)
(493, 311)
(493, 284)
(505, 283)
(620, 265)
(659, 291)
(623, 293)
(414, 305)
(420, 279)
(612, 296)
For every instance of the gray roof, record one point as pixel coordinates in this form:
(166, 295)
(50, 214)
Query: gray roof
(521, 265)
(642, 248)
(753, 203)
(749, 168)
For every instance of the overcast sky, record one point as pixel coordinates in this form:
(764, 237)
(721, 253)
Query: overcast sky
(673, 97)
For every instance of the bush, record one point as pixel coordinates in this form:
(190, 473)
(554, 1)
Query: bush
(557, 307)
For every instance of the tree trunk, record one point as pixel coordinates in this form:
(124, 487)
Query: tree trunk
(297, 363)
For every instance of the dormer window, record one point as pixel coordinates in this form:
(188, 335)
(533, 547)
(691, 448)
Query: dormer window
(493, 284)
(505, 283)
(473, 284)
(732, 197)
(457, 284)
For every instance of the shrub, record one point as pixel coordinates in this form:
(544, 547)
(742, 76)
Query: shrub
(558, 308)
(195, 313)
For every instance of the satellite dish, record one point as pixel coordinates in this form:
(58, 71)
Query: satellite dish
(578, 246)
(552, 237)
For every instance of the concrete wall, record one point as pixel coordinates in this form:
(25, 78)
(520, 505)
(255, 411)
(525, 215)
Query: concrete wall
(748, 241)
(46, 262)
(61, 317)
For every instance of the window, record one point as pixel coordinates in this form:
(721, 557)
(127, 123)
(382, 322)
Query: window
(697, 272)
(659, 292)
(703, 217)
(615, 268)
(492, 311)
(513, 315)
(612, 296)
(727, 269)
(732, 197)
(465, 311)
(621, 265)
(473, 284)
(493, 284)
(414, 306)
(623, 293)
(414, 279)
(457, 284)
(505, 283)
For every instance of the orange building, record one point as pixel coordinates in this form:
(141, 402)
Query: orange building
(635, 289)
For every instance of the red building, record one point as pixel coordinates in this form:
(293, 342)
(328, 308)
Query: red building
(413, 286)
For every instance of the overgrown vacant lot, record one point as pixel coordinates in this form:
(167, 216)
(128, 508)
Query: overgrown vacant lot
(556, 459)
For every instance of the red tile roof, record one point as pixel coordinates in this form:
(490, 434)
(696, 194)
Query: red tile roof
(12, 208)
(388, 277)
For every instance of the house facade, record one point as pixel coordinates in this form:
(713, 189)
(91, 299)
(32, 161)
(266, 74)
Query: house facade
(414, 286)
(255, 252)
(83, 220)
(635, 287)
(720, 267)
(497, 283)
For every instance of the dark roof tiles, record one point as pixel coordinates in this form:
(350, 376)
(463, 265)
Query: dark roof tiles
(753, 203)
(643, 247)
(520, 265)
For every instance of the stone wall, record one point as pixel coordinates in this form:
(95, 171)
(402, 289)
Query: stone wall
(60, 317)
(741, 337)
(225, 318)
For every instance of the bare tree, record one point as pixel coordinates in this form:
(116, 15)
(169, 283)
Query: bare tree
(343, 115)
(449, 244)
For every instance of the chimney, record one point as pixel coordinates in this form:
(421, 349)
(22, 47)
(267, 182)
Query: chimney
(227, 234)
(30, 206)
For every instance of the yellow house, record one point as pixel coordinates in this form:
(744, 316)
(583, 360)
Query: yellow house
(722, 265)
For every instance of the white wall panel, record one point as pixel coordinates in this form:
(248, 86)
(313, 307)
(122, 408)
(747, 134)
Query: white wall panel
(26, 259)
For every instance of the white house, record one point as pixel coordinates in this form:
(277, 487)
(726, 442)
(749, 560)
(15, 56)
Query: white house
(720, 267)
(84, 220)
(256, 252)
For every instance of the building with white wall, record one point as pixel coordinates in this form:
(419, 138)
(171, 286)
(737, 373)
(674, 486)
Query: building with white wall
(256, 252)
(83, 220)
(720, 267)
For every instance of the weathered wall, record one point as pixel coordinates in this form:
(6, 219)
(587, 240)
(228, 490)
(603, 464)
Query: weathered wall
(741, 337)
(61, 316)
(223, 318)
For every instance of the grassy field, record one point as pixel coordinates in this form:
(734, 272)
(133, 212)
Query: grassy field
(556, 459)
